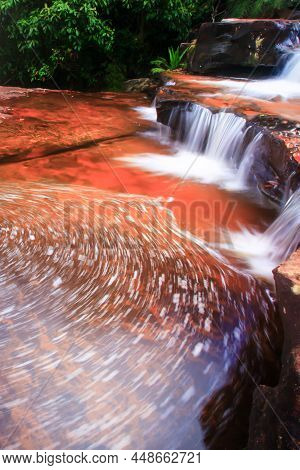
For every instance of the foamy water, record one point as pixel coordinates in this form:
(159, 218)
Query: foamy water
(147, 112)
(266, 89)
(285, 86)
(210, 147)
(202, 168)
(263, 251)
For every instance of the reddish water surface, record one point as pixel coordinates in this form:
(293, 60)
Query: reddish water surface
(119, 329)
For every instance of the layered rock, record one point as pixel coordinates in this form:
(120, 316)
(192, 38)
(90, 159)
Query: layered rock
(243, 43)
(275, 415)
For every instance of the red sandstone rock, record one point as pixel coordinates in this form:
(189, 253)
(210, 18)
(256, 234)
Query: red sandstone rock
(36, 123)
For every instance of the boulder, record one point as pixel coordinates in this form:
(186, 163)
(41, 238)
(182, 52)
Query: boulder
(243, 43)
(275, 417)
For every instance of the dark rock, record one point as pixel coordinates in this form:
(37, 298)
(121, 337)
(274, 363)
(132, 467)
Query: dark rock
(288, 14)
(272, 162)
(143, 85)
(275, 417)
(246, 43)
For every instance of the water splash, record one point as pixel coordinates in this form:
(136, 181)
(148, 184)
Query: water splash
(291, 70)
(264, 251)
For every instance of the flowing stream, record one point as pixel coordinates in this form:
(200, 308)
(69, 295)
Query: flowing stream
(284, 86)
(266, 250)
(124, 325)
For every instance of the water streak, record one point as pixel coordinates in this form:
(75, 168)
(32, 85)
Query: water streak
(284, 86)
(291, 70)
(264, 251)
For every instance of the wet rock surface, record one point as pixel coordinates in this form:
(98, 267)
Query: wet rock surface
(243, 43)
(275, 417)
(143, 85)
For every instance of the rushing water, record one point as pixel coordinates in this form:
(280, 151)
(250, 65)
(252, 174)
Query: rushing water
(213, 145)
(291, 70)
(121, 327)
(265, 250)
(285, 85)
(137, 326)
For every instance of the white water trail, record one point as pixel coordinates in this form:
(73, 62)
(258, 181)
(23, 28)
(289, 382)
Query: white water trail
(148, 113)
(291, 70)
(209, 147)
(264, 251)
(284, 86)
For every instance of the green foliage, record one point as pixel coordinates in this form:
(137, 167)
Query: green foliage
(75, 42)
(175, 61)
(257, 8)
(96, 43)
(114, 77)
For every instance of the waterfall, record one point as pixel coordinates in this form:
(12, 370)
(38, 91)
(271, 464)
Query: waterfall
(211, 147)
(284, 233)
(264, 251)
(216, 135)
(291, 70)
(221, 137)
(284, 85)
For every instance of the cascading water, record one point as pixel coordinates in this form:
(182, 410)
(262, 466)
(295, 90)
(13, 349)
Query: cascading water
(285, 85)
(216, 135)
(209, 147)
(291, 70)
(214, 148)
(264, 251)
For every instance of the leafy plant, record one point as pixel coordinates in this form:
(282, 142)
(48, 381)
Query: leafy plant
(73, 43)
(257, 8)
(93, 43)
(175, 60)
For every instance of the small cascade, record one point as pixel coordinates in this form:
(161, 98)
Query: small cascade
(284, 233)
(211, 147)
(291, 70)
(284, 85)
(216, 135)
(264, 251)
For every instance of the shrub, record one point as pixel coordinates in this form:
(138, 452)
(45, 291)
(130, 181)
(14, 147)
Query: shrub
(175, 60)
(75, 42)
